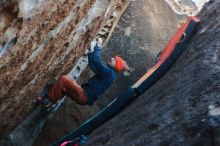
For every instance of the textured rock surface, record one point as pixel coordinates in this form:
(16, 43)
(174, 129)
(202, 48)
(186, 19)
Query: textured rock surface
(187, 7)
(48, 45)
(173, 112)
(181, 7)
(9, 23)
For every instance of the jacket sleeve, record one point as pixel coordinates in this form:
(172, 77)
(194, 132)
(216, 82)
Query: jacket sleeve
(96, 65)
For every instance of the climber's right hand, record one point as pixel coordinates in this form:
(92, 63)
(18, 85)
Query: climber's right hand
(92, 46)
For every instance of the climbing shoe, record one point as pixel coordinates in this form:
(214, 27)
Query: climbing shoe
(43, 99)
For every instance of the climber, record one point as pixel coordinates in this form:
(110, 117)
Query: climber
(89, 92)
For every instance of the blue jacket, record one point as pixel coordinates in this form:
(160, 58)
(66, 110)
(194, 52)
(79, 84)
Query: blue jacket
(103, 78)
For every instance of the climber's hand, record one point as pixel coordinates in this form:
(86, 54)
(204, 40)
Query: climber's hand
(131, 69)
(92, 46)
(127, 68)
(99, 42)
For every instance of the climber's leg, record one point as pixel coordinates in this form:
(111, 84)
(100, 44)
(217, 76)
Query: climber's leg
(65, 86)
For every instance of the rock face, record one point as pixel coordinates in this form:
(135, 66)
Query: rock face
(48, 44)
(9, 23)
(187, 7)
(181, 7)
(177, 109)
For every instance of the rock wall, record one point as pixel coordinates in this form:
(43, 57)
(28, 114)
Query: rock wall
(9, 21)
(181, 7)
(48, 44)
(182, 108)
